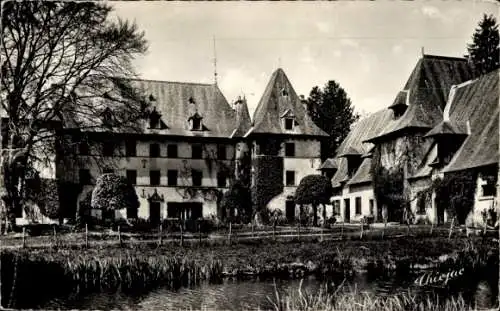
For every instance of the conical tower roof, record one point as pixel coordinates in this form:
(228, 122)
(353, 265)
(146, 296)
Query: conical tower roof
(280, 99)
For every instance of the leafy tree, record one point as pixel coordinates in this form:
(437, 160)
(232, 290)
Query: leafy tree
(331, 109)
(59, 63)
(113, 192)
(484, 49)
(314, 190)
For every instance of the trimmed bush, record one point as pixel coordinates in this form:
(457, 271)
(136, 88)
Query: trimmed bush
(113, 192)
(314, 190)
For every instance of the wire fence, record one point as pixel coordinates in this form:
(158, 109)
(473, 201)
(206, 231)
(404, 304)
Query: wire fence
(234, 234)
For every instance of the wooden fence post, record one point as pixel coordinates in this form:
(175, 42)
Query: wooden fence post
(199, 231)
(451, 228)
(55, 236)
(252, 229)
(274, 231)
(160, 240)
(119, 236)
(432, 228)
(86, 235)
(383, 230)
(229, 235)
(362, 228)
(182, 235)
(342, 231)
(24, 237)
(321, 236)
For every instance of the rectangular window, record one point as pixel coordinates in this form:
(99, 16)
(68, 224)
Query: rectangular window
(18, 211)
(108, 149)
(132, 213)
(289, 124)
(130, 148)
(372, 207)
(172, 177)
(154, 177)
(289, 150)
(172, 151)
(84, 177)
(489, 189)
(154, 150)
(336, 207)
(221, 179)
(196, 124)
(421, 198)
(290, 178)
(221, 152)
(358, 205)
(83, 148)
(197, 151)
(132, 176)
(154, 122)
(196, 177)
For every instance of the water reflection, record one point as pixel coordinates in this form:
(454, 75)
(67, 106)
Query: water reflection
(239, 295)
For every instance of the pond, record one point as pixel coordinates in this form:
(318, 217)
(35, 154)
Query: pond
(246, 294)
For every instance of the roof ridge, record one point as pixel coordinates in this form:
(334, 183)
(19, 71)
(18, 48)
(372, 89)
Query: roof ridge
(443, 57)
(168, 81)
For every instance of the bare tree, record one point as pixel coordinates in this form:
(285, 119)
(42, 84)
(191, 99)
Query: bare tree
(63, 67)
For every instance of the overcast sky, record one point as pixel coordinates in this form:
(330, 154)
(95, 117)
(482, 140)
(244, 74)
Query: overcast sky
(369, 48)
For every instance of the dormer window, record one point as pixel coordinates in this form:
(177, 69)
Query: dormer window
(154, 119)
(284, 93)
(107, 117)
(400, 104)
(288, 120)
(196, 125)
(196, 122)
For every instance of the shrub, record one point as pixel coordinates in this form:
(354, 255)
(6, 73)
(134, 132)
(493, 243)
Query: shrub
(46, 194)
(113, 192)
(237, 198)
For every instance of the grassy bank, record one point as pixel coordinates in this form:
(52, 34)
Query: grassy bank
(78, 270)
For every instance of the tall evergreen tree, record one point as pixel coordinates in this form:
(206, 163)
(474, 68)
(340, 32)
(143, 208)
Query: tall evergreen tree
(484, 49)
(331, 109)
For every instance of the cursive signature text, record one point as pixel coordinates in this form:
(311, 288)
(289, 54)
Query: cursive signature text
(435, 278)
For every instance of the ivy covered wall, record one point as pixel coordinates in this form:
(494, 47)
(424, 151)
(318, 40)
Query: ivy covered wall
(392, 163)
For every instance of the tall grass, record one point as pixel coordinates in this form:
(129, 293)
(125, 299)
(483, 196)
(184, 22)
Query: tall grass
(352, 300)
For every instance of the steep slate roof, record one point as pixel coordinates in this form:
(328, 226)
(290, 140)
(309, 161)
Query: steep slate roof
(428, 85)
(272, 106)
(243, 121)
(445, 128)
(366, 127)
(172, 101)
(328, 164)
(362, 175)
(476, 103)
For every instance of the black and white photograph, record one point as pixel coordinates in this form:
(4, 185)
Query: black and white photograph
(250, 155)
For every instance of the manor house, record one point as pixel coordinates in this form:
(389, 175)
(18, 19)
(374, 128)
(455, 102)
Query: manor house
(191, 147)
(442, 122)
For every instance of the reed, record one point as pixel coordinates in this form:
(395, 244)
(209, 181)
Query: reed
(65, 272)
(353, 300)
